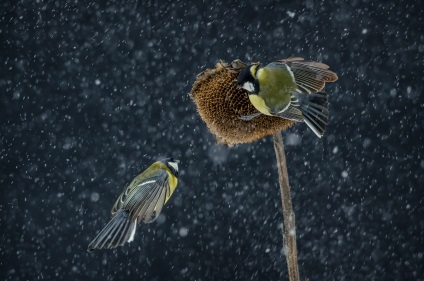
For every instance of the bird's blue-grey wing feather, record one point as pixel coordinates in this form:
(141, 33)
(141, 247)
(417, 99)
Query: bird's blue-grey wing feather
(147, 199)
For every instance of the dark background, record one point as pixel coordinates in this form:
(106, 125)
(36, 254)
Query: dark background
(93, 93)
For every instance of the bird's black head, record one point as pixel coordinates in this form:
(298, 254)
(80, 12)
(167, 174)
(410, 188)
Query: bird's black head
(247, 79)
(172, 165)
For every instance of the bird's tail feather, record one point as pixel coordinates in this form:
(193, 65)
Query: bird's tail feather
(315, 112)
(118, 231)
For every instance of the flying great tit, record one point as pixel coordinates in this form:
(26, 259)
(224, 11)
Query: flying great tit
(289, 89)
(142, 200)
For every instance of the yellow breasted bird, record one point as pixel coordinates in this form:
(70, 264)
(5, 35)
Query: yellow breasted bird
(289, 89)
(142, 200)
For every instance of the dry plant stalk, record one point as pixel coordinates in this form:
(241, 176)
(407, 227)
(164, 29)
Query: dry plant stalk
(289, 228)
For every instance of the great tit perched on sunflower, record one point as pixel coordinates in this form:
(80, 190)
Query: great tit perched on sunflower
(142, 200)
(289, 89)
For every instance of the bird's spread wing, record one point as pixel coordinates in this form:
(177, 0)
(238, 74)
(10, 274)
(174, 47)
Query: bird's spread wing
(310, 76)
(145, 201)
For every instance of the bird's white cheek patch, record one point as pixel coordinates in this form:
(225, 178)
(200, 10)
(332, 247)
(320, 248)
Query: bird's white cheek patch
(173, 165)
(248, 86)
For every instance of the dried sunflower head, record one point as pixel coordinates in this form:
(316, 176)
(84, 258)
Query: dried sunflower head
(220, 104)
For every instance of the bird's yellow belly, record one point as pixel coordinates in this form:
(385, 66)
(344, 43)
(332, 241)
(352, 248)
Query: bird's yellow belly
(259, 104)
(173, 181)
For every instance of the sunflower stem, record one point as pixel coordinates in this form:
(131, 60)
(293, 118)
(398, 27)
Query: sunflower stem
(289, 225)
